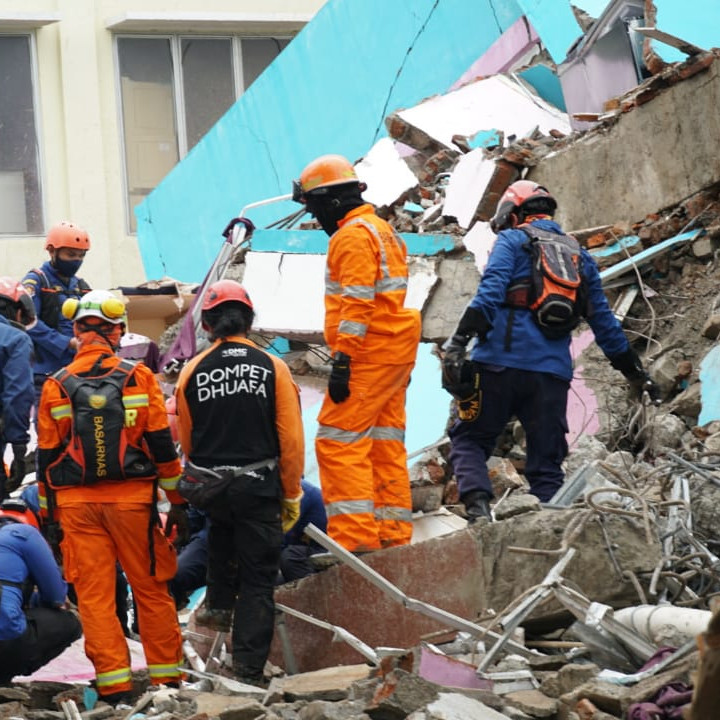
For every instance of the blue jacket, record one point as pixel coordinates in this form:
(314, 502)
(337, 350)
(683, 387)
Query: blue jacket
(24, 555)
(16, 383)
(525, 347)
(312, 510)
(51, 344)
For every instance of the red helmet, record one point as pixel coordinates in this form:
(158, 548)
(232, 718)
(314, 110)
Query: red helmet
(514, 198)
(224, 291)
(18, 510)
(67, 235)
(17, 294)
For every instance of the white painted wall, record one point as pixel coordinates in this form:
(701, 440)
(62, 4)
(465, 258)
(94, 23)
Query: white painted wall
(80, 137)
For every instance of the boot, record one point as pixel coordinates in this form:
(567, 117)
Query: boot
(218, 620)
(477, 505)
(242, 673)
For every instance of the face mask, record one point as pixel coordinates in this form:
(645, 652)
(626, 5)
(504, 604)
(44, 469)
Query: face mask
(66, 268)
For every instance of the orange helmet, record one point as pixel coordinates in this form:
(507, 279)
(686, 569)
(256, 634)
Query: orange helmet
(67, 235)
(16, 293)
(224, 291)
(324, 172)
(514, 198)
(18, 510)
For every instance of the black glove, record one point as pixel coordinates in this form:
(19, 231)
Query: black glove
(18, 469)
(630, 365)
(339, 383)
(177, 519)
(474, 322)
(249, 227)
(53, 533)
(452, 362)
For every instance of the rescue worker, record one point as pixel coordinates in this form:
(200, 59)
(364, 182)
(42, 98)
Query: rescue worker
(103, 446)
(49, 286)
(29, 636)
(515, 369)
(17, 315)
(373, 338)
(241, 428)
(298, 547)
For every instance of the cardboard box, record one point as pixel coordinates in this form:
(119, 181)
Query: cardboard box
(152, 314)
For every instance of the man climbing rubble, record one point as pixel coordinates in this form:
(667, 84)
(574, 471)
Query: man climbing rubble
(373, 338)
(521, 364)
(103, 446)
(241, 432)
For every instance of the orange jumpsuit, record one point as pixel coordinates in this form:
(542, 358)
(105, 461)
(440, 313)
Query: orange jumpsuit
(360, 445)
(110, 521)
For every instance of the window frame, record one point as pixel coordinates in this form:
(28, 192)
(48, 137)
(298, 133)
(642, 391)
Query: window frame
(176, 39)
(31, 34)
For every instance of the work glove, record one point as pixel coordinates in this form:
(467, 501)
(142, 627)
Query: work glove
(339, 383)
(53, 533)
(453, 360)
(469, 395)
(290, 512)
(18, 469)
(177, 519)
(639, 381)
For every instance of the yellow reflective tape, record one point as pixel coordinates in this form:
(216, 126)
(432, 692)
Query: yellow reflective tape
(169, 483)
(61, 411)
(43, 502)
(136, 401)
(114, 677)
(163, 670)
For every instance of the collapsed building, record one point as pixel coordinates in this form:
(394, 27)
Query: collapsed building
(589, 606)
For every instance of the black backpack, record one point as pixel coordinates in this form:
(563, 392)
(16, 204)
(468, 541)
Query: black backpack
(97, 449)
(555, 292)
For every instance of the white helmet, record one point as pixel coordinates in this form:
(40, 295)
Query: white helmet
(97, 303)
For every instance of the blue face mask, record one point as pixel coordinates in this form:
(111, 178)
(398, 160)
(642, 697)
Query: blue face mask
(67, 268)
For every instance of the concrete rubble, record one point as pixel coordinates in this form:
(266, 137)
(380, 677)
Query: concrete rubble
(550, 610)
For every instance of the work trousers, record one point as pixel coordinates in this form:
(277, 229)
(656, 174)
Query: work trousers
(244, 546)
(192, 568)
(360, 448)
(48, 633)
(539, 401)
(95, 537)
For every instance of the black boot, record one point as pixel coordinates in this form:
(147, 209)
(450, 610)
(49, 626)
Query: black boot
(477, 505)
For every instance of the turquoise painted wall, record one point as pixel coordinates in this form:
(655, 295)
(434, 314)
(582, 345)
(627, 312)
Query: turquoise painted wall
(329, 91)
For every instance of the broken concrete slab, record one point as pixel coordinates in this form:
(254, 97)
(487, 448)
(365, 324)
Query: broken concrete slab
(491, 577)
(495, 102)
(458, 283)
(670, 163)
(331, 684)
(457, 707)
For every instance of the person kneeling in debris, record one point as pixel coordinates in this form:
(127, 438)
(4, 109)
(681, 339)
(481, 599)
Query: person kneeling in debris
(104, 445)
(29, 636)
(521, 364)
(241, 432)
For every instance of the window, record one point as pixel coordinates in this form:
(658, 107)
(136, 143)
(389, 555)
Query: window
(173, 90)
(20, 196)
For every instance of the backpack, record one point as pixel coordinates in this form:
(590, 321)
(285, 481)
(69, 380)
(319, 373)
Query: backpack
(50, 305)
(97, 448)
(555, 293)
